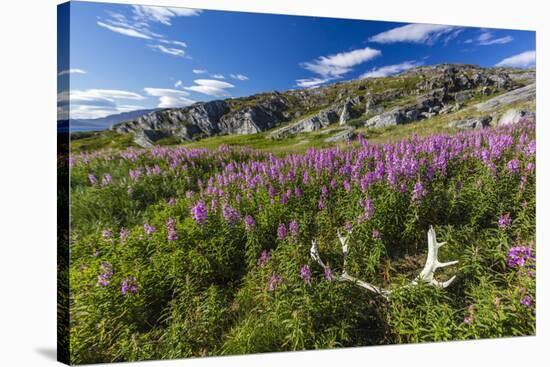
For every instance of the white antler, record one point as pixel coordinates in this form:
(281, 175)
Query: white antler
(432, 263)
(314, 252)
(426, 275)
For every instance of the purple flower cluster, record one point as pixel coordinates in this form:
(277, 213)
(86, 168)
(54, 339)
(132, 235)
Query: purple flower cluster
(107, 179)
(199, 212)
(124, 232)
(129, 285)
(92, 179)
(513, 166)
(149, 229)
(293, 227)
(418, 192)
(519, 256)
(275, 281)
(107, 234)
(305, 274)
(281, 232)
(527, 301)
(249, 222)
(171, 229)
(263, 259)
(505, 221)
(104, 277)
(328, 273)
(230, 214)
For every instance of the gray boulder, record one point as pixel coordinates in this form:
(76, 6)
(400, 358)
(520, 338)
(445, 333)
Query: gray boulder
(472, 123)
(312, 123)
(148, 138)
(462, 97)
(344, 135)
(394, 117)
(524, 94)
(513, 116)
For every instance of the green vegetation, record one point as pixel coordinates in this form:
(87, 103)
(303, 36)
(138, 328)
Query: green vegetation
(183, 252)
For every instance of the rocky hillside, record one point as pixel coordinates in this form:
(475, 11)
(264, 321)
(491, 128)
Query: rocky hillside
(415, 95)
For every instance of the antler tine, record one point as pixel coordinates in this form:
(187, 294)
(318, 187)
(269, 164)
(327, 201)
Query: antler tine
(344, 242)
(432, 263)
(314, 253)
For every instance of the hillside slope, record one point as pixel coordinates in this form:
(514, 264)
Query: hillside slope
(416, 95)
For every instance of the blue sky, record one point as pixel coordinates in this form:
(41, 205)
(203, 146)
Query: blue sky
(125, 57)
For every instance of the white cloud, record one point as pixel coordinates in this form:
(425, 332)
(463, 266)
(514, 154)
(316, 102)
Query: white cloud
(390, 69)
(334, 66)
(238, 76)
(127, 31)
(93, 112)
(311, 82)
(138, 25)
(161, 14)
(97, 95)
(522, 60)
(199, 71)
(169, 50)
(211, 87)
(179, 43)
(170, 98)
(169, 42)
(71, 71)
(486, 39)
(217, 76)
(95, 103)
(178, 84)
(413, 33)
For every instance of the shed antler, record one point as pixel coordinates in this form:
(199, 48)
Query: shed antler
(426, 275)
(432, 263)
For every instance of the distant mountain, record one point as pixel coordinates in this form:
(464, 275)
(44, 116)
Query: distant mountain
(106, 122)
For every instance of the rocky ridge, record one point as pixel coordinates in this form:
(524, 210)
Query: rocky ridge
(417, 94)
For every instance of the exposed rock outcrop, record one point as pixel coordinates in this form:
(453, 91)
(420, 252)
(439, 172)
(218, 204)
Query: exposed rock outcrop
(513, 116)
(527, 93)
(425, 106)
(253, 119)
(472, 123)
(344, 135)
(341, 112)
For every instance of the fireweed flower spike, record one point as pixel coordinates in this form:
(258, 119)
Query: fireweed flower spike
(281, 232)
(305, 274)
(519, 256)
(107, 234)
(199, 212)
(92, 179)
(264, 258)
(124, 234)
(107, 178)
(129, 285)
(249, 222)
(505, 221)
(149, 229)
(513, 166)
(527, 301)
(274, 281)
(328, 274)
(293, 227)
(106, 272)
(171, 229)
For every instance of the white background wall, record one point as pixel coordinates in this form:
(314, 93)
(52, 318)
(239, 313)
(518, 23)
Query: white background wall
(28, 177)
